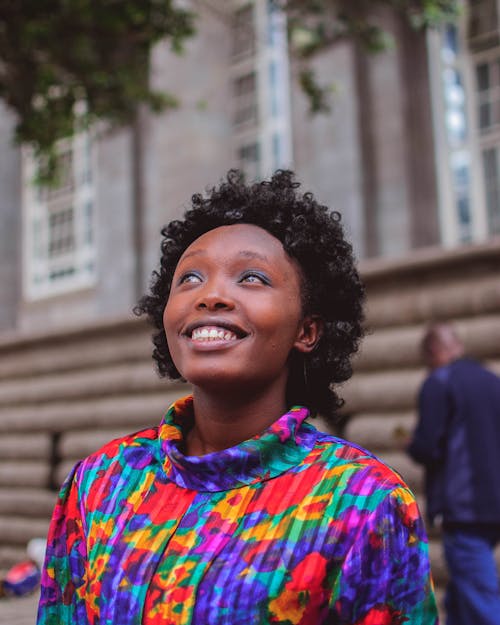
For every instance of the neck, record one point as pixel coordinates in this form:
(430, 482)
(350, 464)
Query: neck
(224, 422)
(446, 357)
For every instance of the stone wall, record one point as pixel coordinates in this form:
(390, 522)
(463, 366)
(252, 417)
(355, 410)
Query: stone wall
(62, 394)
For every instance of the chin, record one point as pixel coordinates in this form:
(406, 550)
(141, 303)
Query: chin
(230, 384)
(209, 376)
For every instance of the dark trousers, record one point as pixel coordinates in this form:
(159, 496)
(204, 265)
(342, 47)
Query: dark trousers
(473, 593)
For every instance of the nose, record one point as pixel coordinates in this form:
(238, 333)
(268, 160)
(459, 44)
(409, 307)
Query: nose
(213, 297)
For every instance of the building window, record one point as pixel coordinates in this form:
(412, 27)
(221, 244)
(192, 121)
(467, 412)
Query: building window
(243, 32)
(249, 160)
(461, 199)
(59, 230)
(245, 99)
(487, 83)
(488, 94)
(491, 162)
(261, 90)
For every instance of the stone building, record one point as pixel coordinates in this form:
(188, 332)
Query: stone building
(410, 155)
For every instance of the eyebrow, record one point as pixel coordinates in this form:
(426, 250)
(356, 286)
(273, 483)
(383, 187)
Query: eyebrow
(243, 253)
(250, 254)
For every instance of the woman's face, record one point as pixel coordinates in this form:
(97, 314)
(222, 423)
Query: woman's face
(234, 311)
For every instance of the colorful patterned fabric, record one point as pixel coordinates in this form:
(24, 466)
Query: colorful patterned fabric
(292, 526)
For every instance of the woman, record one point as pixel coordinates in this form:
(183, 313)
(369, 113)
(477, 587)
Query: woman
(235, 510)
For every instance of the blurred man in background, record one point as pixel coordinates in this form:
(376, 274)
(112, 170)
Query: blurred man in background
(457, 439)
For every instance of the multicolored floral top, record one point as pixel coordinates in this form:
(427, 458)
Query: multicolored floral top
(292, 526)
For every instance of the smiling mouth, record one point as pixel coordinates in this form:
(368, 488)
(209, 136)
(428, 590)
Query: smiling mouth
(207, 334)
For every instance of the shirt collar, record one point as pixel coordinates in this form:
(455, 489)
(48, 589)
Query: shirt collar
(283, 445)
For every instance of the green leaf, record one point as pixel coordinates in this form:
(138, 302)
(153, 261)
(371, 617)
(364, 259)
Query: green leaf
(55, 53)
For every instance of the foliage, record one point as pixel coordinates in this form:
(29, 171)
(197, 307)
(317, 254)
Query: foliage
(315, 25)
(68, 61)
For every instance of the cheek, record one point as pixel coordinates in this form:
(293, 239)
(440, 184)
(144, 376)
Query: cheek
(282, 328)
(168, 323)
(166, 317)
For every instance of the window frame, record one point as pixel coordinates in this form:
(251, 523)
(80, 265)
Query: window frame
(270, 65)
(468, 149)
(77, 267)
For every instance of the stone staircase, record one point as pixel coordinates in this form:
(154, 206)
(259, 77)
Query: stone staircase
(63, 394)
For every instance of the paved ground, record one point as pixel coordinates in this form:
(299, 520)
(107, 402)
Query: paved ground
(18, 611)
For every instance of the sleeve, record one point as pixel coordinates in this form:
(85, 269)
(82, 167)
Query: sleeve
(385, 578)
(64, 572)
(426, 446)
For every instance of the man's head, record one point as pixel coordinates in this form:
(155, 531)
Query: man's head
(441, 345)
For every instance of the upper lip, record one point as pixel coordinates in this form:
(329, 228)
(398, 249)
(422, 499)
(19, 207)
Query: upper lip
(213, 321)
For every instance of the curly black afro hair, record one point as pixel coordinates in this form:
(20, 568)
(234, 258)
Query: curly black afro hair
(311, 234)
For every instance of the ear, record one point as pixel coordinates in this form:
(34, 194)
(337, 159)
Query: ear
(310, 331)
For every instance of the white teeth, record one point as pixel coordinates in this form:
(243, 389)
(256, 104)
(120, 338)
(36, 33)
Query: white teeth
(212, 334)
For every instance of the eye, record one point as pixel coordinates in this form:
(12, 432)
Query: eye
(190, 277)
(254, 277)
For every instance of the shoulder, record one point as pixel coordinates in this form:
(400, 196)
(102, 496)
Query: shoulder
(346, 452)
(127, 453)
(362, 487)
(436, 382)
(118, 446)
(356, 465)
(106, 478)
(467, 373)
(471, 366)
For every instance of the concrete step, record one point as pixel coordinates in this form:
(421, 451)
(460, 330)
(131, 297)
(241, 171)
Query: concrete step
(18, 530)
(387, 390)
(79, 444)
(129, 411)
(18, 610)
(96, 382)
(399, 346)
(27, 502)
(21, 473)
(380, 431)
(10, 555)
(398, 302)
(438, 564)
(26, 445)
(107, 344)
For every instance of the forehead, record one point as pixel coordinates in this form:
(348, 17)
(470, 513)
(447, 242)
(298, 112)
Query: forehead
(243, 240)
(225, 246)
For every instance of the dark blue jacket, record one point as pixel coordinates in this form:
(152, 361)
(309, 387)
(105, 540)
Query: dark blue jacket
(458, 440)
